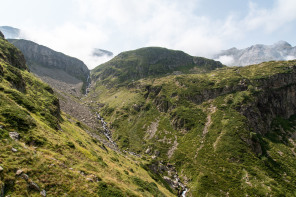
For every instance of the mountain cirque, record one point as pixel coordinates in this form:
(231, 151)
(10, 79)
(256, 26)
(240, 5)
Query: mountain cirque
(176, 125)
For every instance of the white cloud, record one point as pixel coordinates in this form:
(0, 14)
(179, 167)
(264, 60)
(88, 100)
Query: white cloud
(290, 57)
(118, 25)
(272, 19)
(76, 41)
(226, 60)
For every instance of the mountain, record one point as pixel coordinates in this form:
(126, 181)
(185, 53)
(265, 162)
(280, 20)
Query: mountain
(220, 131)
(160, 123)
(101, 52)
(257, 54)
(45, 152)
(54, 67)
(150, 62)
(10, 32)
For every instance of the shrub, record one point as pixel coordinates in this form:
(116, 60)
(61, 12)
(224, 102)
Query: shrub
(107, 190)
(150, 187)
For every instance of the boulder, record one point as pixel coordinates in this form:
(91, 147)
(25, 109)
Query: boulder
(14, 135)
(43, 193)
(19, 172)
(34, 186)
(148, 150)
(25, 176)
(14, 150)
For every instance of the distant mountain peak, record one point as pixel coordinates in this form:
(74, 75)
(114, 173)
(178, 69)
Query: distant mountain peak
(282, 43)
(101, 52)
(150, 62)
(10, 32)
(256, 54)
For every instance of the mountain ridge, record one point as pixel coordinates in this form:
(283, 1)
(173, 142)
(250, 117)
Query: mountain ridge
(256, 54)
(209, 128)
(45, 152)
(38, 56)
(150, 61)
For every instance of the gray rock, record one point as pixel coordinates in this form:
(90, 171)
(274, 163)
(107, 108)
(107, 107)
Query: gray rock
(19, 172)
(14, 150)
(1, 168)
(157, 153)
(148, 150)
(48, 58)
(43, 193)
(34, 186)
(25, 176)
(14, 135)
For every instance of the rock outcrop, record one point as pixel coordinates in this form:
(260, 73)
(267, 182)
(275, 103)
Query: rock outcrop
(277, 99)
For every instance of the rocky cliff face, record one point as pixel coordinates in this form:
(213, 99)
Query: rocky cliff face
(41, 56)
(44, 56)
(276, 99)
(257, 54)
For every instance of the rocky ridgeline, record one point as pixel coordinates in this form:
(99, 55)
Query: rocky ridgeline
(38, 57)
(256, 54)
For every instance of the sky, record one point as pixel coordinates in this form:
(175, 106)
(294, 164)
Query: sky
(197, 27)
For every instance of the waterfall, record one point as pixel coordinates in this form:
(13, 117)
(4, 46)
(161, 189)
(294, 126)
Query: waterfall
(184, 192)
(106, 130)
(88, 83)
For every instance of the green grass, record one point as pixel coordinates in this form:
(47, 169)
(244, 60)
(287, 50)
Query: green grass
(149, 62)
(54, 151)
(226, 159)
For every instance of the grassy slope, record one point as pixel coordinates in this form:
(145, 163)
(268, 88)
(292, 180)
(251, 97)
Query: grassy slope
(54, 150)
(150, 62)
(212, 153)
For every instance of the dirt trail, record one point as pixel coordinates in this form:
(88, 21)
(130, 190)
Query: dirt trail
(211, 110)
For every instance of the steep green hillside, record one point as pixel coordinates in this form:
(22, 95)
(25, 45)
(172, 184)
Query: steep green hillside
(44, 152)
(228, 132)
(150, 62)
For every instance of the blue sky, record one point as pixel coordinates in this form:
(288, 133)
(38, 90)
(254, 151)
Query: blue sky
(198, 27)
